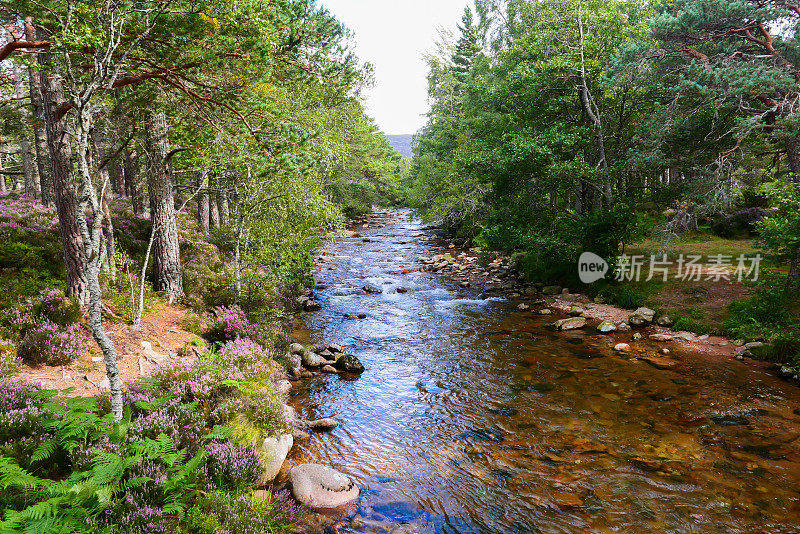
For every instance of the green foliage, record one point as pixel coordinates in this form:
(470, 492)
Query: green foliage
(780, 234)
(770, 313)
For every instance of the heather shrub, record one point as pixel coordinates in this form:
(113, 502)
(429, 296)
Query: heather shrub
(133, 515)
(51, 344)
(242, 358)
(223, 513)
(232, 466)
(264, 410)
(53, 305)
(229, 323)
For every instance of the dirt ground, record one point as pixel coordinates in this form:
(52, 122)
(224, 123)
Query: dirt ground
(159, 340)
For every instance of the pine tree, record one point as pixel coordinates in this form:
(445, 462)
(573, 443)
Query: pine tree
(741, 56)
(467, 48)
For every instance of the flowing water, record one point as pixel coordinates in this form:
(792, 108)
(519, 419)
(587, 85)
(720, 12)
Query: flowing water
(473, 417)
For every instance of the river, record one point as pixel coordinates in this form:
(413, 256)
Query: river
(473, 417)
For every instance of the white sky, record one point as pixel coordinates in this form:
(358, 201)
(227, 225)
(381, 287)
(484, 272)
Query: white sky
(393, 35)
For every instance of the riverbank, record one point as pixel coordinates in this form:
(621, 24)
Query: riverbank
(498, 277)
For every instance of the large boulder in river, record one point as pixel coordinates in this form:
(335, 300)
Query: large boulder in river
(372, 288)
(321, 487)
(296, 348)
(313, 360)
(573, 323)
(273, 453)
(349, 364)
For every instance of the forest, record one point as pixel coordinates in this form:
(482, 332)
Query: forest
(559, 127)
(175, 169)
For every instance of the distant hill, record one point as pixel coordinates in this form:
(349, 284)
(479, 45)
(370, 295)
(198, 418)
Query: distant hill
(402, 143)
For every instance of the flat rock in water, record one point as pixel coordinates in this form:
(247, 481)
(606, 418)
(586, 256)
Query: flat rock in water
(321, 487)
(323, 424)
(329, 369)
(572, 323)
(660, 363)
(622, 347)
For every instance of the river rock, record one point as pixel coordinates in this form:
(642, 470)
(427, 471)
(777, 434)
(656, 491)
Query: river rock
(349, 364)
(283, 386)
(372, 288)
(273, 453)
(296, 348)
(647, 313)
(336, 349)
(664, 320)
(576, 311)
(686, 336)
(636, 336)
(623, 327)
(573, 323)
(329, 369)
(637, 320)
(295, 361)
(606, 327)
(551, 290)
(622, 347)
(321, 487)
(523, 307)
(311, 306)
(545, 311)
(323, 424)
(313, 360)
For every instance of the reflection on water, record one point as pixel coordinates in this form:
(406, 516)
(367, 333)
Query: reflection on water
(473, 417)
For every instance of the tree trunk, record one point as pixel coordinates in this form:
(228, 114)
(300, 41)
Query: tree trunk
(3, 190)
(65, 194)
(134, 182)
(202, 203)
(101, 152)
(39, 133)
(30, 182)
(793, 153)
(213, 212)
(222, 204)
(167, 274)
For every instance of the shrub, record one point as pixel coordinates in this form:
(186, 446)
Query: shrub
(10, 363)
(232, 466)
(230, 323)
(223, 513)
(50, 344)
(54, 306)
(182, 422)
(242, 358)
(770, 314)
(744, 221)
(264, 410)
